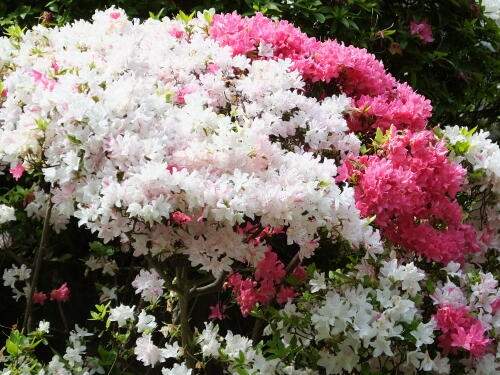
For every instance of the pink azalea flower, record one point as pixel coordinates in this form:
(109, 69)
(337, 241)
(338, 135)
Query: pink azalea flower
(17, 171)
(300, 272)
(39, 298)
(173, 168)
(42, 78)
(423, 30)
(495, 305)
(61, 294)
(212, 68)
(54, 66)
(460, 330)
(176, 33)
(217, 311)
(183, 92)
(180, 218)
(286, 293)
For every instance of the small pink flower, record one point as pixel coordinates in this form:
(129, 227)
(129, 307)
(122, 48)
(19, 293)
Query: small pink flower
(423, 30)
(17, 171)
(42, 78)
(39, 298)
(183, 92)
(300, 272)
(115, 15)
(54, 66)
(173, 168)
(180, 218)
(176, 33)
(61, 294)
(286, 293)
(212, 68)
(217, 311)
(4, 93)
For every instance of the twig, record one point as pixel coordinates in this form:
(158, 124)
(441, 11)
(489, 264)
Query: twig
(63, 317)
(210, 288)
(293, 264)
(17, 258)
(37, 266)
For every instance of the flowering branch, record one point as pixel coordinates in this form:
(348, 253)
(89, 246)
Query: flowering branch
(37, 266)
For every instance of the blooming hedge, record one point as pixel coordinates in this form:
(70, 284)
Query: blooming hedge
(235, 159)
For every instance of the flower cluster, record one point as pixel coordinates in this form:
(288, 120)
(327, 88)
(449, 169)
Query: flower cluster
(14, 275)
(208, 144)
(137, 141)
(261, 289)
(409, 187)
(379, 99)
(7, 214)
(481, 157)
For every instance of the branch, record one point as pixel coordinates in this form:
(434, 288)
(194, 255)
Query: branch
(17, 258)
(207, 289)
(37, 266)
(293, 264)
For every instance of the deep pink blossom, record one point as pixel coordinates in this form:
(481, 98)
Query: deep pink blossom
(300, 272)
(176, 33)
(217, 311)
(460, 330)
(39, 298)
(17, 171)
(54, 66)
(410, 185)
(61, 294)
(423, 30)
(180, 218)
(173, 168)
(263, 287)
(286, 293)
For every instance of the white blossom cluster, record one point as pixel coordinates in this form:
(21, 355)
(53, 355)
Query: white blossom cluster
(145, 350)
(131, 122)
(492, 10)
(349, 325)
(484, 156)
(15, 275)
(75, 360)
(7, 214)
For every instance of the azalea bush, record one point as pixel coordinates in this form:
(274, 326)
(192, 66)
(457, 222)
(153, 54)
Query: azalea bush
(446, 50)
(215, 193)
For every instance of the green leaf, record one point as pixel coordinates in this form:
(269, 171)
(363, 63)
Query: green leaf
(320, 17)
(74, 140)
(207, 16)
(379, 136)
(184, 17)
(12, 348)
